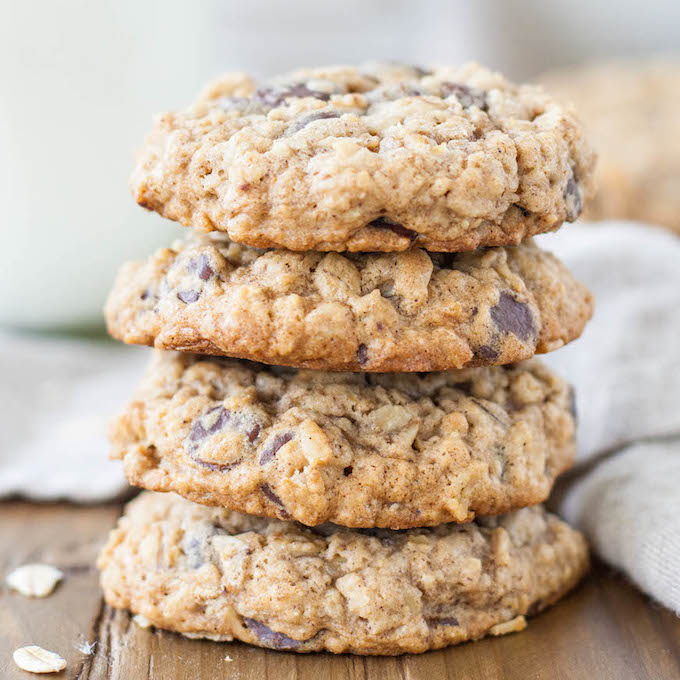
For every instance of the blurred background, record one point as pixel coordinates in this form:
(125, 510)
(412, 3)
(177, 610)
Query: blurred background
(81, 81)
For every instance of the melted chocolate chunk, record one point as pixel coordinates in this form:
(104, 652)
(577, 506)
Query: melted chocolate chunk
(572, 199)
(201, 265)
(271, 638)
(362, 354)
(254, 433)
(274, 445)
(486, 353)
(199, 432)
(269, 493)
(275, 96)
(395, 227)
(512, 316)
(188, 296)
(216, 467)
(466, 95)
(315, 115)
(196, 544)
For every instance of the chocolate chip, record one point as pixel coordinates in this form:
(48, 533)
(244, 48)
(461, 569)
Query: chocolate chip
(466, 95)
(201, 265)
(362, 354)
(445, 621)
(199, 432)
(347, 471)
(254, 433)
(274, 445)
(275, 96)
(315, 115)
(196, 543)
(512, 316)
(398, 229)
(216, 467)
(188, 296)
(271, 638)
(486, 353)
(269, 493)
(572, 199)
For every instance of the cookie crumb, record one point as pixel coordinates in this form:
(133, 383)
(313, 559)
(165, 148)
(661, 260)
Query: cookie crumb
(513, 626)
(35, 659)
(141, 621)
(34, 580)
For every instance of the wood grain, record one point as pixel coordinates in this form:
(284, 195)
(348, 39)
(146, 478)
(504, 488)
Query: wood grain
(604, 630)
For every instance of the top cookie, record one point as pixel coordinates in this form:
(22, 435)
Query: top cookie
(369, 159)
(631, 113)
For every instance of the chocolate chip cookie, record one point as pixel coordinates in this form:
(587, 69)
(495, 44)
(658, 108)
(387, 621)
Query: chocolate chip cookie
(211, 573)
(368, 159)
(357, 449)
(412, 311)
(631, 113)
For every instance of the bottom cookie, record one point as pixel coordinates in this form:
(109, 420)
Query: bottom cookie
(211, 573)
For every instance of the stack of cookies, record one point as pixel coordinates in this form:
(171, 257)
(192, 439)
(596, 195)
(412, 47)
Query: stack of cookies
(372, 484)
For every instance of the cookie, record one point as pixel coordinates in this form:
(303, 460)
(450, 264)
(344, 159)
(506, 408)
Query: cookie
(368, 159)
(413, 311)
(631, 113)
(357, 449)
(211, 573)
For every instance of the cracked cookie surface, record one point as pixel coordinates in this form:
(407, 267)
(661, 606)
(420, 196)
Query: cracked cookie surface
(412, 311)
(215, 574)
(374, 158)
(357, 449)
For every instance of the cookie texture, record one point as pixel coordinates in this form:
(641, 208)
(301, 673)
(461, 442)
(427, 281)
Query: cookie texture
(357, 449)
(630, 109)
(412, 311)
(375, 158)
(211, 573)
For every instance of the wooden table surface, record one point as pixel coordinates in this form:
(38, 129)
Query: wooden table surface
(605, 629)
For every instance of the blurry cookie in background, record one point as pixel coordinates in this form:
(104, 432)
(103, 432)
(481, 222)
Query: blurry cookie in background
(630, 109)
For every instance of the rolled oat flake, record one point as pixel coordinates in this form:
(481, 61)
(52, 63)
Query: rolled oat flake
(35, 659)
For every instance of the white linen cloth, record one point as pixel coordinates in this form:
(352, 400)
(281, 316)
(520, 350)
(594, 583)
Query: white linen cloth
(626, 371)
(57, 396)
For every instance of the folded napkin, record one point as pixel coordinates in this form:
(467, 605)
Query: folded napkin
(624, 493)
(57, 398)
